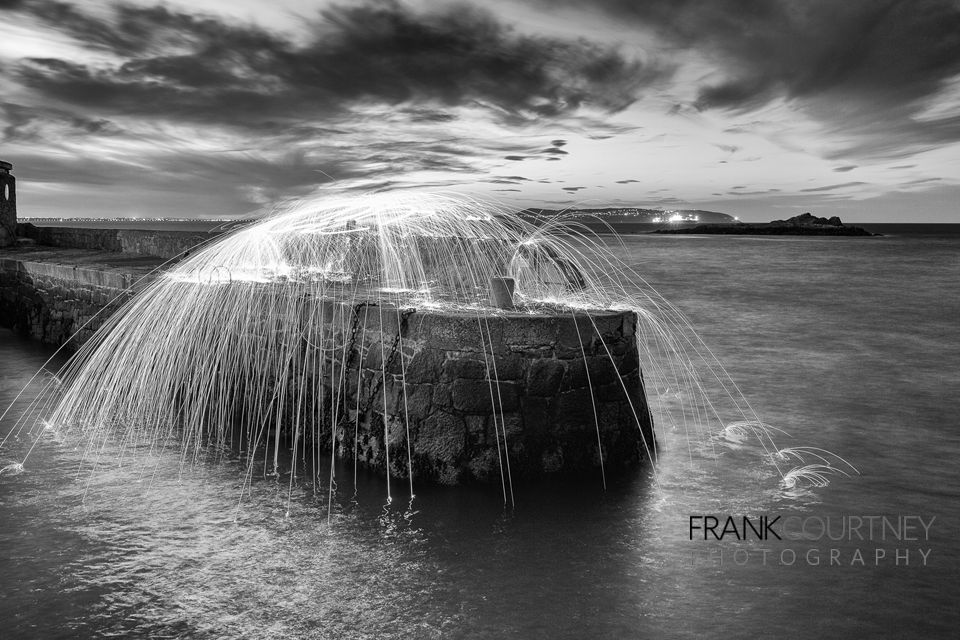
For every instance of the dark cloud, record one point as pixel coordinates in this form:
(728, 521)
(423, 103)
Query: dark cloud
(429, 115)
(508, 180)
(553, 152)
(875, 62)
(627, 181)
(904, 47)
(896, 134)
(573, 189)
(764, 192)
(832, 187)
(668, 201)
(177, 65)
(729, 148)
(844, 169)
(34, 123)
(740, 94)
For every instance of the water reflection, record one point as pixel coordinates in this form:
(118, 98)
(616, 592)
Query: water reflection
(150, 547)
(203, 554)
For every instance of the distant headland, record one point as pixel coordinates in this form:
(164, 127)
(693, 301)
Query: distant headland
(805, 224)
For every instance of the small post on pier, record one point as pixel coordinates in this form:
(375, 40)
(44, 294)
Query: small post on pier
(501, 292)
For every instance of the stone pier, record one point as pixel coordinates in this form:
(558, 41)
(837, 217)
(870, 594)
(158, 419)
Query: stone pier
(549, 391)
(476, 391)
(61, 296)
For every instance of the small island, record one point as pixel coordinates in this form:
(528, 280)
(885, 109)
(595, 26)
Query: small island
(805, 224)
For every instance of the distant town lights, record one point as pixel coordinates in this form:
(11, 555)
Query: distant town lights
(677, 216)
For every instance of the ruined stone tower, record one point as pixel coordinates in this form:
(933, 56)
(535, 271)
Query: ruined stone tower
(8, 205)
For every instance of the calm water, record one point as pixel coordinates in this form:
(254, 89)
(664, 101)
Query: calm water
(848, 344)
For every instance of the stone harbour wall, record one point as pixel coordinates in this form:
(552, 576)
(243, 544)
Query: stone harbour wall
(474, 392)
(162, 244)
(52, 302)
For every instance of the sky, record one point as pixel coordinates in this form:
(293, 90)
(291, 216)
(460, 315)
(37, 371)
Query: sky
(762, 109)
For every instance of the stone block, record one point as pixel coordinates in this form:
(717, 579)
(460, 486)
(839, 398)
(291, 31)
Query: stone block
(508, 366)
(484, 396)
(441, 437)
(418, 402)
(464, 367)
(544, 377)
(485, 465)
(448, 332)
(425, 366)
(442, 395)
(531, 332)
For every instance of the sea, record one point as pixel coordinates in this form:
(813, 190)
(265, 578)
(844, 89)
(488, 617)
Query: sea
(843, 345)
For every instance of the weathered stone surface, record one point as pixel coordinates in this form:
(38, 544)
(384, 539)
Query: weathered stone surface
(418, 403)
(575, 408)
(484, 396)
(464, 367)
(544, 377)
(442, 395)
(508, 367)
(425, 366)
(439, 446)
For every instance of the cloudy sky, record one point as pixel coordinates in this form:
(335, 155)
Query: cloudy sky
(758, 108)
